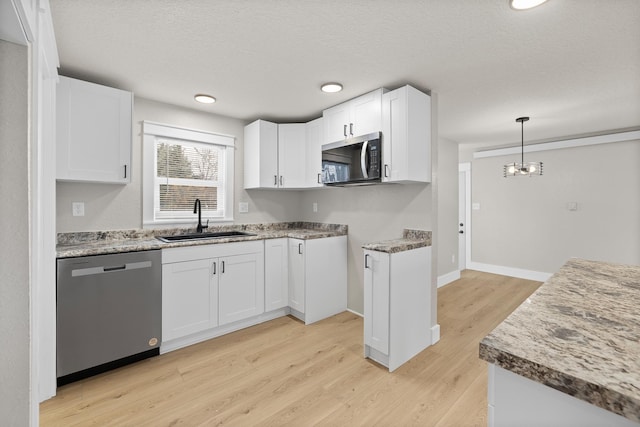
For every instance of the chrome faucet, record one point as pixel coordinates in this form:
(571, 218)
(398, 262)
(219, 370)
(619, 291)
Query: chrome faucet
(198, 209)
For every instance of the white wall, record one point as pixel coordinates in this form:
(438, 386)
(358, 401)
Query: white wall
(119, 207)
(14, 230)
(373, 213)
(524, 222)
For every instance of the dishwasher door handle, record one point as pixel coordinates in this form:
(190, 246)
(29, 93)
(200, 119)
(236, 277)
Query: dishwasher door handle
(108, 269)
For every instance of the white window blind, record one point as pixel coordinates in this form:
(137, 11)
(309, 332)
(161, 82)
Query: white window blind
(186, 171)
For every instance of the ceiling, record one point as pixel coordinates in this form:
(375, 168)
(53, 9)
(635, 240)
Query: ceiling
(573, 66)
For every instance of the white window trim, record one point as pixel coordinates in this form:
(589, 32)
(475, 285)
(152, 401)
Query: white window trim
(151, 131)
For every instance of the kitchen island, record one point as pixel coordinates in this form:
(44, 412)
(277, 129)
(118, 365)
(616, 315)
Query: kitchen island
(570, 354)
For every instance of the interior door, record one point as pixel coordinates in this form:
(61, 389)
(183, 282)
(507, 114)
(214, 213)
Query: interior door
(462, 247)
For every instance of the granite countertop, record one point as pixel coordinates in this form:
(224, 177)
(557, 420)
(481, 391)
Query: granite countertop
(108, 242)
(578, 333)
(411, 239)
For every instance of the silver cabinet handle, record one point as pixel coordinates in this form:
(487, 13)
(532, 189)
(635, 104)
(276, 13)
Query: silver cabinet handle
(222, 267)
(300, 248)
(344, 130)
(125, 171)
(351, 129)
(386, 168)
(280, 180)
(319, 178)
(275, 180)
(214, 269)
(366, 258)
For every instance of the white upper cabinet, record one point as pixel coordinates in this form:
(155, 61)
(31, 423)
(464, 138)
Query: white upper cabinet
(94, 132)
(292, 155)
(359, 116)
(275, 155)
(261, 155)
(406, 136)
(315, 139)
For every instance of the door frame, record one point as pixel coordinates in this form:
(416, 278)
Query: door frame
(465, 168)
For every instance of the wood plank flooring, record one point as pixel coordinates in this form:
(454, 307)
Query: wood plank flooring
(284, 373)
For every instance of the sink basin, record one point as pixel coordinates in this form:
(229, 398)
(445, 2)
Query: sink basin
(203, 236)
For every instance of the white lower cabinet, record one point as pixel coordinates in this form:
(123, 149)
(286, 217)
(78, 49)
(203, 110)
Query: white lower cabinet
(317, 277)
(397, 307)
(240, 287)
(210, 285)
(189, 298)
(276, 274)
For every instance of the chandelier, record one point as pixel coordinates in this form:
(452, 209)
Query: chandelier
(522, 168)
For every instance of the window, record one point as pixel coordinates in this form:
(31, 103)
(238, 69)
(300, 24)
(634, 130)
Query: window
(182, 165)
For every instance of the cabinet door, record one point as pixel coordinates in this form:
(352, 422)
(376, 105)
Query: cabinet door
(376, 301)
(292, 155)
(296, 275)
(336, 122)
(189, 298)
(276, 274)
(261, 155)
(93, 132)
(241, 287)
(315, 139)
(406, 136)
(366, 114)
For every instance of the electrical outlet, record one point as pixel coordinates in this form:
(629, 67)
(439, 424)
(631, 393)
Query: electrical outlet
(315, 207)
(453, 259)
(243, 207)
(77, 208)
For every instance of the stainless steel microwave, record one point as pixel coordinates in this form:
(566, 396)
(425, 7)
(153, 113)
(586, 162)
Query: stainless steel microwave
(354, 161)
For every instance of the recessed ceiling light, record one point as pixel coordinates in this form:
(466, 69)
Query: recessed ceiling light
(331, 87)
(204, 99)
(525, 4)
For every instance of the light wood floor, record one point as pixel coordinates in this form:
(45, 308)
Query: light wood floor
(284, 373)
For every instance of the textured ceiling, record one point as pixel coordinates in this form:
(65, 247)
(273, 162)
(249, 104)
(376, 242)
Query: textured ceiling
(573, 66)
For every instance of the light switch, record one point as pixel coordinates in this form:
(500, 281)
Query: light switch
(77, 208)
(475, 206)
(243, 207)
(572, 206)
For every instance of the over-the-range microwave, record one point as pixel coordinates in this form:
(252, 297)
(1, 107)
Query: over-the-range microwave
(354, 161)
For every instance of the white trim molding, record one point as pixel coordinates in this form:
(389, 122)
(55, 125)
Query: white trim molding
(447, 278)
(435, 333)
(568, 143)
(520, 273)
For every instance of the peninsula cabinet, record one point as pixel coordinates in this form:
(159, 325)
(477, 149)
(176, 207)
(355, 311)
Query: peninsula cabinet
(210, 285)
(94, 132)
(317, 277)
(359, 116)
(406, 135)
(397, 310)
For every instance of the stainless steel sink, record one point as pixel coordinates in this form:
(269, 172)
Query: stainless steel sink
(203, 236)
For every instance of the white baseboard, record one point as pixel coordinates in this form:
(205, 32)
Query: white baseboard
(447, 278)
(435, 334)
(355, 312)
(538, 276)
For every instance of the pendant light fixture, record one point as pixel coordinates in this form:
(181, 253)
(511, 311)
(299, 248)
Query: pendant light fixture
(522, 168)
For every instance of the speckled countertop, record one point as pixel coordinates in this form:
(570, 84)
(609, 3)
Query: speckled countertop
(411, 239)
(578, 333)
(107, 242)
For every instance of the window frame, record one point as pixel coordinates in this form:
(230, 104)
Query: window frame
(152, 132)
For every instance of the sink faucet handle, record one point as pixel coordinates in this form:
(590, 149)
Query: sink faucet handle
(206, 226)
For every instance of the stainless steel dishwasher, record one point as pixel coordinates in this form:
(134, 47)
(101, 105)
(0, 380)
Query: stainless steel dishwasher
(109, 310)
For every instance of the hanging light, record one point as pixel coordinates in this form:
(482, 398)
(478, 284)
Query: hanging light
(522, 168)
